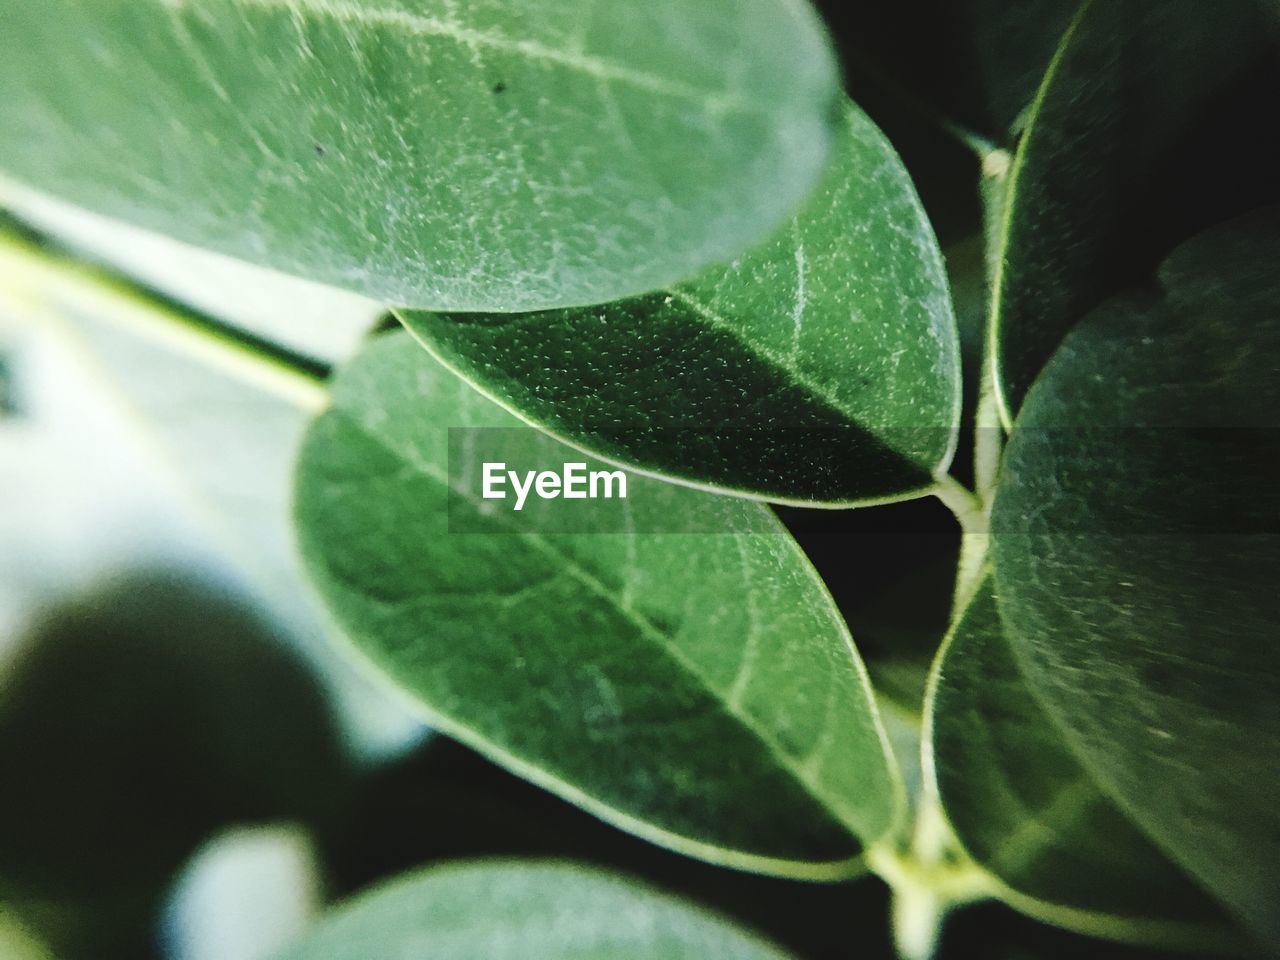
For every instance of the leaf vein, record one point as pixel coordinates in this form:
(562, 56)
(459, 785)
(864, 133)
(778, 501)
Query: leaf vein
(802, 774)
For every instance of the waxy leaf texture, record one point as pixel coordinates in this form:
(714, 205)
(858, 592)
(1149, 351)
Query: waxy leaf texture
(1023, 806)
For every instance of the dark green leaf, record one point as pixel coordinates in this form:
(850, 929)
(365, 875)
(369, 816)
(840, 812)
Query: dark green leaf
(697, 689)
(1151, 125)
(1137, 554)
(945, 79)
(820, 367)
(517, 910)
(456, 156)
(1023, 806)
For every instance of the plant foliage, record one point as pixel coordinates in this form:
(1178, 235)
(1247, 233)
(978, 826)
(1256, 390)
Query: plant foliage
(655, 242)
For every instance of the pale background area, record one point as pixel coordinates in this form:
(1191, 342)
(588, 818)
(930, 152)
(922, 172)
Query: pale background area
(124, 452)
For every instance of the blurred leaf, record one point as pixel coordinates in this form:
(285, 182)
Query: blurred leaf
(10, 405)
(1025, 809)
(477, 156)
(220, 414)
(396, 826)
(245, 895)
(1151, 125)
(136, 722)
(507, 910)
(1137, 553)
(19, 943)
(656, 679)
(317, 322)
(822, 366)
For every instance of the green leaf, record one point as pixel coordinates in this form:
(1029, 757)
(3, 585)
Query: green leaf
(1136, 556)
(1148, 128)
(1025, 809)
(454, 156)
(699, 690)
(1012, 45)
(822, 366)
(526, 910)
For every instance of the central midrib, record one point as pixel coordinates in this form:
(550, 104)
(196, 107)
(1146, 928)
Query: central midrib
(824, 397)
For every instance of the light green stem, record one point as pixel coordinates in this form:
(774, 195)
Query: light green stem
(988, 438)
(46, 282)
(928, 880)
(933, 875)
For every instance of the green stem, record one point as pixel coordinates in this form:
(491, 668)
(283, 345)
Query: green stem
(928, 880)
(31, 269)
(969, 570)
(933, 875)
(988, 444)
(961, 501)
(988, 438)
(973, 511)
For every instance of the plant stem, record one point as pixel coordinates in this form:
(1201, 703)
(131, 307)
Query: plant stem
(973, 511)
(934, 875)
(960, 500)
(988, 438)
(988, 444)
(928, 880)
(41, 276)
